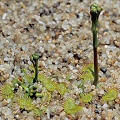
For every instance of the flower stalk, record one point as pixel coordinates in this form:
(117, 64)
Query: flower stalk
(95, 12)
(34, 59)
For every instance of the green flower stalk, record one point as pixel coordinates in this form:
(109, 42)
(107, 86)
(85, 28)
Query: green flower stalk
(95, 12)
(34, 59)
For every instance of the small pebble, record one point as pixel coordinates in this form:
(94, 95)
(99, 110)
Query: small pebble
(116, 43)
(97, 111)
(5, 102)
(101, 92)
(105, 106)
(77, 56)
(112, 107)
(65, 59)
(4, 16)
(103, 69)
(6, 110)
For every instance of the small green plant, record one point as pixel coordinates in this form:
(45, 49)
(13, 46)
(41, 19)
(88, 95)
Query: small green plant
(70, 107)
(95, 10)
(28, 82)
(7, 91)
(110, 95)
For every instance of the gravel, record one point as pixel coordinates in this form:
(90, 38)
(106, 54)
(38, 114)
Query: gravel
(60, 30)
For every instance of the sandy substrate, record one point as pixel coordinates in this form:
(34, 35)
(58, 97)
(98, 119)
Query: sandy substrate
(60, 30)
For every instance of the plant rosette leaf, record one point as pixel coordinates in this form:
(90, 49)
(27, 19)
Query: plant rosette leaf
(87, 72)
(28, 79)
(26, 103)
(46, 98)
(40, 95)
(61, 88)
(16, 81)
(87, 67)
(50, 85)
(68, 76)
(86, 98)
(70, 107)
(42, 78)
(86, 77)
(110, 95)
(39, 111)
(24, 71)
(26, 88)
(7, 91)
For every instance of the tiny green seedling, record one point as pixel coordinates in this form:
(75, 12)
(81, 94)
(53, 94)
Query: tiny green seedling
(95, 11)
(28, 82)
